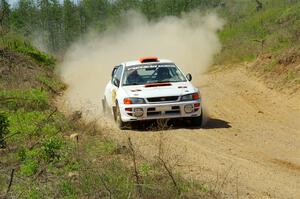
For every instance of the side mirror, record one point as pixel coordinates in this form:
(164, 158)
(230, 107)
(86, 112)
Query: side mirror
(189, 77)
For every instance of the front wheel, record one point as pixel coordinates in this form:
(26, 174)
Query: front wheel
(118, 118)
(197, 121)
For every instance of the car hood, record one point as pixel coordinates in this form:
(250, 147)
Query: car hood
(159, 90)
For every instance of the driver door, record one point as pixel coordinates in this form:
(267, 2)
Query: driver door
(113, 86)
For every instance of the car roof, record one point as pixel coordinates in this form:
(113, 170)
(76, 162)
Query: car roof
(137, 62)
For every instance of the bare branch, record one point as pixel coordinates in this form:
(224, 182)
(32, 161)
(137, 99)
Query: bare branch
(10, 181)
(106, 187)
(170, 173)
(136, 173)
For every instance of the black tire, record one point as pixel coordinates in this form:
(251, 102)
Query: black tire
(118, 119)
(197, 121)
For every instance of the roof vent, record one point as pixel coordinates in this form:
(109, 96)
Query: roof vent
(148, 59)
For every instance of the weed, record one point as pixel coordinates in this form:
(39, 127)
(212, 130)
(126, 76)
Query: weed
(101, 147)
(66, 189)
(270, 66)
(249, 58)
(145, 169)
(51, 83)
(29, 167)
(108, 147)
(4, 125)
(22, 154)
(25, 123)
(51, 149)
(290, 76)
(34, 193)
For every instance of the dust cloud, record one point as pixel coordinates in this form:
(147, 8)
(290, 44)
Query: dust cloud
(190, 41)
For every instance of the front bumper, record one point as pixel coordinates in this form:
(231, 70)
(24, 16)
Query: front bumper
(160, 111)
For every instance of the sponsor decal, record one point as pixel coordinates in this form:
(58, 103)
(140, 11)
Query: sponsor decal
(152, 66)
(114, 94)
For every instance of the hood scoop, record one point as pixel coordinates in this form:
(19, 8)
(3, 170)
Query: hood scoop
(157, 85)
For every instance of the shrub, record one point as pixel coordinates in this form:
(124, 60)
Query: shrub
(29, 167)
(51, 149)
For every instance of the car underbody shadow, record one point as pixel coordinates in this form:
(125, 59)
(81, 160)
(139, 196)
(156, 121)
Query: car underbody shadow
(175, 124)
(213, 123)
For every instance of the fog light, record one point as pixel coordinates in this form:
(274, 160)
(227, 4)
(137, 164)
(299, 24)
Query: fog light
(188, 108)
(138, 112)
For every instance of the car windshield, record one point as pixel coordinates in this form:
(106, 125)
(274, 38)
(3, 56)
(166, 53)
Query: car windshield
(154, 73)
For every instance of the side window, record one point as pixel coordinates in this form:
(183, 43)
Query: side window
(113, 72)
(119, 73)
(117, 76)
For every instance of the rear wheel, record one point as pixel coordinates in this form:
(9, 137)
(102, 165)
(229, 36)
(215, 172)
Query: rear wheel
(104, 105)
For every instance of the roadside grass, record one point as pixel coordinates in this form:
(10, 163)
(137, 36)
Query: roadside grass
(267, 40)
(270, 66)
(290, 76)
(277, 25)
(19, 44)
(35, 98)
(53, 84)
(108, 170)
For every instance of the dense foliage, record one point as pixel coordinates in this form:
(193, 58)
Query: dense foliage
(249, 24)
(58, 24)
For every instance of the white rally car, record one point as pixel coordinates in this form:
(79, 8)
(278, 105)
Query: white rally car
(151, 89)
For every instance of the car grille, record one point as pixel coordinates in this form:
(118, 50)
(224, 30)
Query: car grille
(163, 99)
(174, 110)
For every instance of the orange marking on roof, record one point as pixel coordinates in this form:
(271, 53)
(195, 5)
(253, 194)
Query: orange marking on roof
(148, 59)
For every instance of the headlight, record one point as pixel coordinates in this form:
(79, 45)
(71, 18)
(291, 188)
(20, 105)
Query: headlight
(134, 100)
(190, 97)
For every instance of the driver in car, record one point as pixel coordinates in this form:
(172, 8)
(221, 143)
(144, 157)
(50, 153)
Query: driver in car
(163, 74)
(134, 78)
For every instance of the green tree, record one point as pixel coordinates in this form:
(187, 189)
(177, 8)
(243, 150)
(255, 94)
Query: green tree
(71, 21)
(4, 15)
(55, 31)
(150, 8)
(61, 23)
(96, 13)
(24, 17)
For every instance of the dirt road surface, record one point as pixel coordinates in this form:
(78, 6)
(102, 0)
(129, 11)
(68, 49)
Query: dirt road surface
(250, 147)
